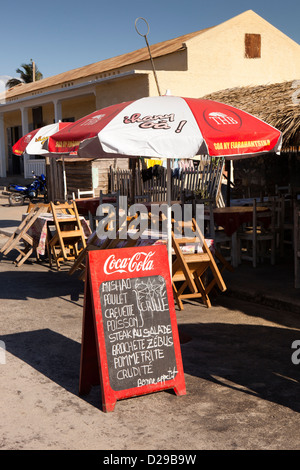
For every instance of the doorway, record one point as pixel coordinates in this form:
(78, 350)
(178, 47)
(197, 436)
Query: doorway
(15, 162)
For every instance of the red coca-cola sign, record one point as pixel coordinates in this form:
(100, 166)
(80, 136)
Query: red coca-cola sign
(138, 262)
(130, 343)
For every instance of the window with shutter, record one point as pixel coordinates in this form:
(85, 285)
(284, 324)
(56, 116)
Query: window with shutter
(252, 46)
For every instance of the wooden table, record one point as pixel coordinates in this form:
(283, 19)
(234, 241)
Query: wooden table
(40, 231)
(88, 205)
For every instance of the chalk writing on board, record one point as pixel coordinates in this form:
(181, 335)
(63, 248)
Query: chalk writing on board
(138, 332)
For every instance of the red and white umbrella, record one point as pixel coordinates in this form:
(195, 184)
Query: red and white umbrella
(33, 142)
(20, 146)
(167, 127)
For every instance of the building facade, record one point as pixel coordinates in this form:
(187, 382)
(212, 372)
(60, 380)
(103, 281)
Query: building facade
(245, 50)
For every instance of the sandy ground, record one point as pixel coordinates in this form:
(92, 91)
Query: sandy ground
(242, 385)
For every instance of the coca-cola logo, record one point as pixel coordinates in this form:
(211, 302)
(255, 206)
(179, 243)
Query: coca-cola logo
(140, 261)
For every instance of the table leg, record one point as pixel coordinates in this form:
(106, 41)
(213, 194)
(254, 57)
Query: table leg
(234, 250)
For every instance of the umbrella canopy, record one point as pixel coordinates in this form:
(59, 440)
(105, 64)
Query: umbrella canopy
(20, 146)
(33, 142)
(167, 127)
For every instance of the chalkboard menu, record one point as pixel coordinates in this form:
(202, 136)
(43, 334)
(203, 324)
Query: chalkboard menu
(130, 339)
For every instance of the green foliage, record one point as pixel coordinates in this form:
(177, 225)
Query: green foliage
(26, 75)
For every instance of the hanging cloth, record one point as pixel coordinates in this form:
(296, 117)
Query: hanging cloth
(150, 162)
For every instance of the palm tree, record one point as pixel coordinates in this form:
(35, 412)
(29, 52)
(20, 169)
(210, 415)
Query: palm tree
(26, 75)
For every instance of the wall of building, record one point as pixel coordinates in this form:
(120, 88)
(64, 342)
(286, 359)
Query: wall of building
(126, 89)
(211, 61)
(217, 58)
(78, 107)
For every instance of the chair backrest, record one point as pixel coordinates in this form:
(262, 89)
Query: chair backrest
(113, 200)
(46, 206)
(142, 198)
(273, 209)
(285, 191)
(68, 208)
(84, 193)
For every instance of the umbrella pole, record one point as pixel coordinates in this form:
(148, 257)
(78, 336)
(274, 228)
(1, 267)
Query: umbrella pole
(228, 169)
(65, 180)
(169, 220)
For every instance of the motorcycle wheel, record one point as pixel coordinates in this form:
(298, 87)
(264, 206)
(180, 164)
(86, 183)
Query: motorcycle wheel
(16, 200)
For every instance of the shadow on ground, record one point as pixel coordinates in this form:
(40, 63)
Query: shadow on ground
(24, 284)
(252, 359)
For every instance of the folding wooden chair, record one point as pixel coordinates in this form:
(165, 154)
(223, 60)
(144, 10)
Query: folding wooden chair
(21, 240)
(189, 269)
(45, 205)
(69, 238)
(91, 244)
(108, 243)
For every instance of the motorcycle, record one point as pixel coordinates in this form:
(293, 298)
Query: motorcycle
(31, 191)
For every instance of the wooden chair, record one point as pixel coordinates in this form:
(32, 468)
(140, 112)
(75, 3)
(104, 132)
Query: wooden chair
(21, 240)
(108, 243)
(91, 244)
(83, 193)
(191, 269)
(256, 241)
(297, 245)
(140, 198)
(45, 205)
(69, 239)
(113, 201)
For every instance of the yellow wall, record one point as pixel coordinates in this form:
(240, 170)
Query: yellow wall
(78, 107)
(13, 119)
(217, 58)
(117, 91)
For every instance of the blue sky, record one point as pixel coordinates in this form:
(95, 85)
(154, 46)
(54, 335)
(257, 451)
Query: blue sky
(64, 34)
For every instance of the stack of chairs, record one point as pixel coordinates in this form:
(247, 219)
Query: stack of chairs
(68, 239)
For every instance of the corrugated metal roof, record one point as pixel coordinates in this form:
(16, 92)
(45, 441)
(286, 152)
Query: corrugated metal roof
(131, 58)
